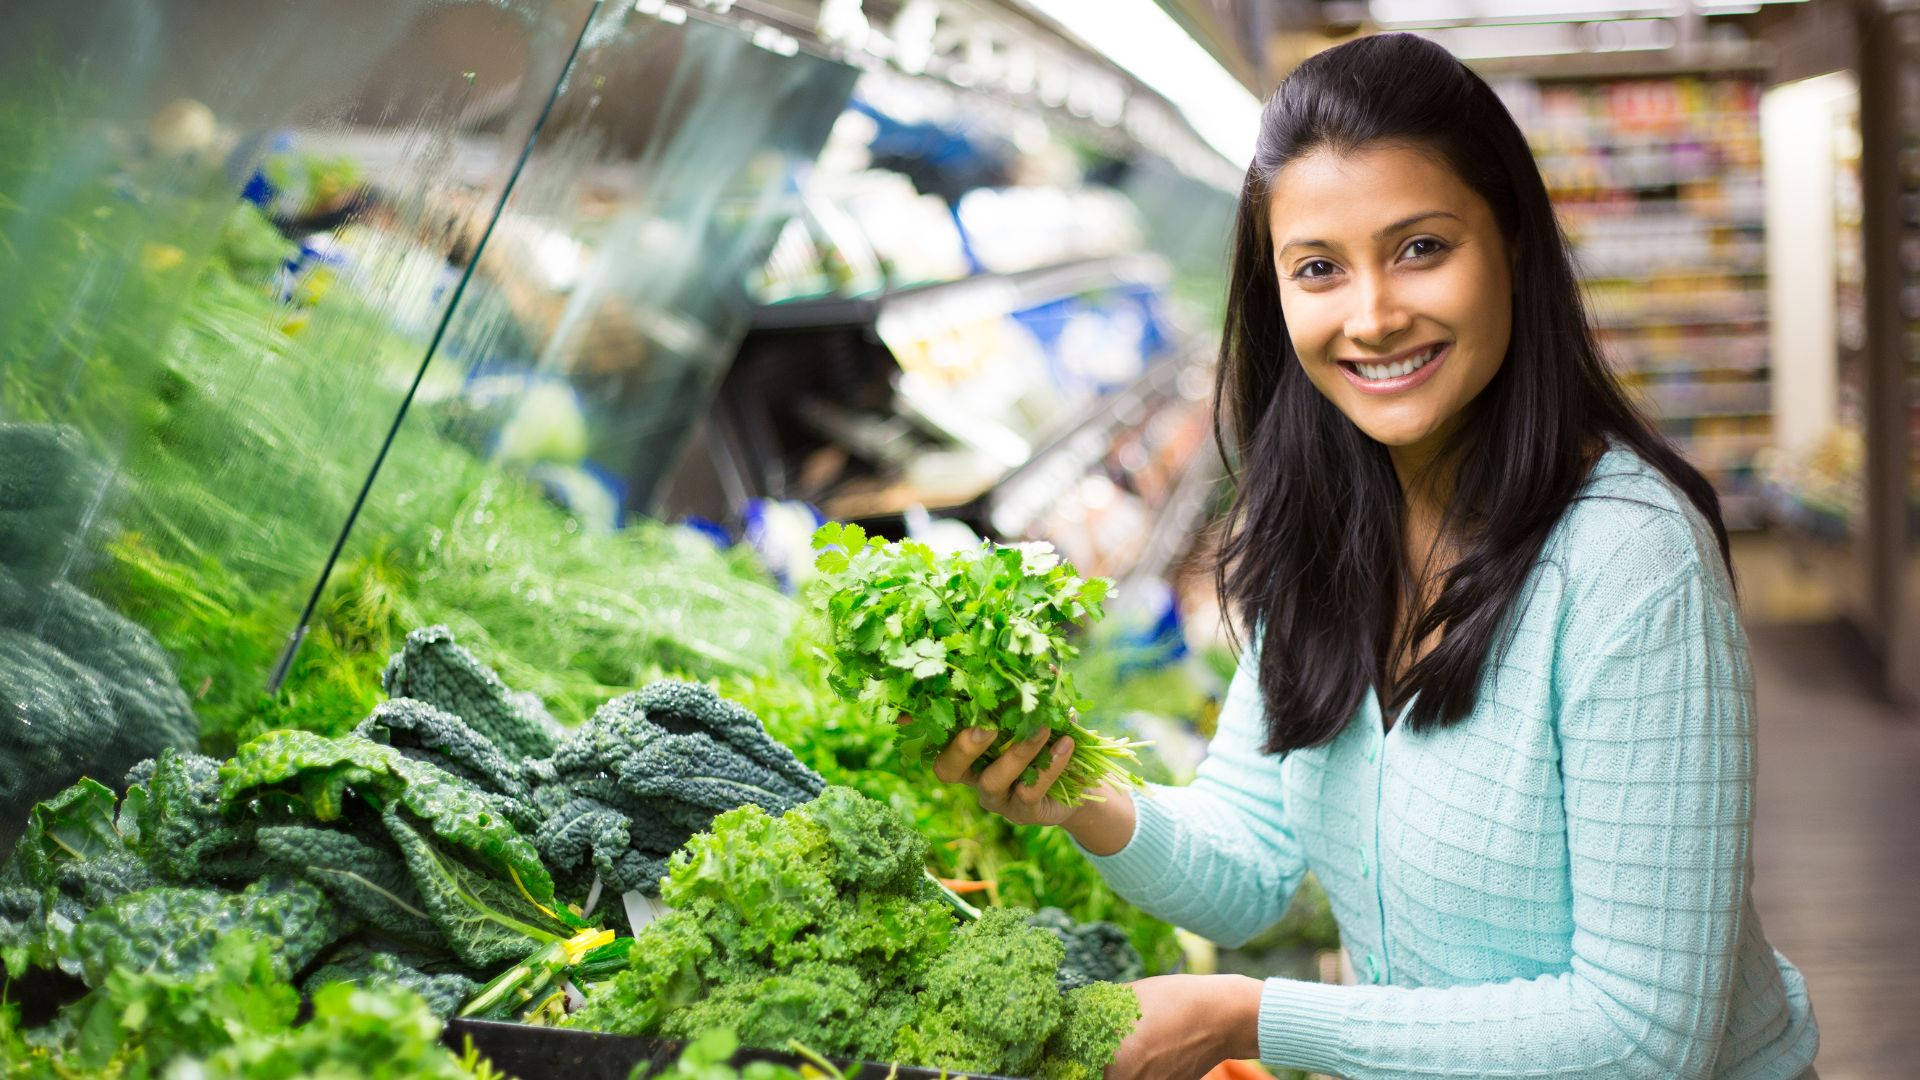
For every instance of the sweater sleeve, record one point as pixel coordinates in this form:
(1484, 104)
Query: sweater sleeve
(1216, 856)
(1655, 727)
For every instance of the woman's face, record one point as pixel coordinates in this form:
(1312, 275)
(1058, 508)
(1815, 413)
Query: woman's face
(1396, 286)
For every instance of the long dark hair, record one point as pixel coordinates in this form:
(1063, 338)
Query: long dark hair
(1312, 552)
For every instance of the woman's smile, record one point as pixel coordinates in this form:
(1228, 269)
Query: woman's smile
(1395, 375)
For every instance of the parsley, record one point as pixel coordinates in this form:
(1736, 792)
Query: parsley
(973, 639)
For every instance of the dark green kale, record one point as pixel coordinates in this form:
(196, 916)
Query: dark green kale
(316, 774)
(1096, 951)
(48, 486)
(651, 769)
(367, 877)
(426, 733)
(73, 858)
(356, 961)
(184, 831)
(435, 669)
(87, 692)
(487, 921)
(173, 930)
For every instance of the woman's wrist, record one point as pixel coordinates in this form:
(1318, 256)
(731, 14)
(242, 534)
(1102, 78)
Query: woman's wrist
(1238, 999)
(1105, 826)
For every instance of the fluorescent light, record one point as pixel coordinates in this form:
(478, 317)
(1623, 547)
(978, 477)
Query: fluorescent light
(1148, 44)
(1487, 42)
(1411, 14)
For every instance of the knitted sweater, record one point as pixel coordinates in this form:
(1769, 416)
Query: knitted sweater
(1557, 886)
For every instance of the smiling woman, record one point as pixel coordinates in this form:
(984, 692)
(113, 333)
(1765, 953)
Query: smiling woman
(1497, 696)
(1376, 311)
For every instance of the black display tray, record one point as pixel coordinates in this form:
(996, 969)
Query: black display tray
(546, 1053)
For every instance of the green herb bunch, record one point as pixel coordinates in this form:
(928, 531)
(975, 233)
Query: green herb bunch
(977, 638)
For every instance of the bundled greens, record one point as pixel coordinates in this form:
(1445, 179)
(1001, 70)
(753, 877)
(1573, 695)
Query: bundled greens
(975, 639)
(818, 927)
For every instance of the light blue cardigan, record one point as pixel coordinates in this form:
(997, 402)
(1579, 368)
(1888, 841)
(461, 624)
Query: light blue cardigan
(1559, 885)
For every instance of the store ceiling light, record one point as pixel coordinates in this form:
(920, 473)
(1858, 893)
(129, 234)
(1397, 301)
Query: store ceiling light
(1149, 45)
(1418, 14)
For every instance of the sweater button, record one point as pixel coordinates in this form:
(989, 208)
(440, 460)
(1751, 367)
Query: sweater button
(1373, 750)
(1365, 868)
(1373, 968)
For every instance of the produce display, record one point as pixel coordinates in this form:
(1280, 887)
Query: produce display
(974, 639)
(465, 819)
(820, 927)
(429, 863)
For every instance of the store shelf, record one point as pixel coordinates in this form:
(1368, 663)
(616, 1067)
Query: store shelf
(1175, 528)
(1021, 290)
(1071, 449)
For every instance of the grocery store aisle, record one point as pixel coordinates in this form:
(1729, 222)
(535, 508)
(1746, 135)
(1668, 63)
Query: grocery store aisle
(1837, 844)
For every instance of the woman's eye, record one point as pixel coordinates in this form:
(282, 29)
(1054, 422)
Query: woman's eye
(1434, 247)
(1305, 272)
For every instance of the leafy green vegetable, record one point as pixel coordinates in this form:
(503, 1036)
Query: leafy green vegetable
(486, 920)
(73, 858)
(1095, 951)
(434, 668)
(426, 733)
(990, 1003)
(233, 1019)
(1021, 865)
(370, 880)
(1097, 1017)
(318, 772)
(173, 930)
(975, 639)
(819, 927)
(651, 769)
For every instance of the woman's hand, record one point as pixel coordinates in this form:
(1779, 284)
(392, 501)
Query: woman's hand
(1189, 1024)
(998, 786)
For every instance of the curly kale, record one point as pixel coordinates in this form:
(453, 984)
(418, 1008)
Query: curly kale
(425, 733)
(1096, 1018)
(819, 926)
(1096, 951)
(991, 1002)
(435, 669)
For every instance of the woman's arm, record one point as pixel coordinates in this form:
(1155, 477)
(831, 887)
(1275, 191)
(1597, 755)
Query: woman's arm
(1215, 856)
(1656, 741)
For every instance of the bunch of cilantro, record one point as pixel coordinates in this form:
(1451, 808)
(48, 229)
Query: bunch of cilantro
(977, 638)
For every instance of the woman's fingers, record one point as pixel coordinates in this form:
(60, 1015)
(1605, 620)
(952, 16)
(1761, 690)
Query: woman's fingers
(955, 763)
(998, 778)
(1057, 760)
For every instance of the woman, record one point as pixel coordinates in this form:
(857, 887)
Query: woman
(1497, 695)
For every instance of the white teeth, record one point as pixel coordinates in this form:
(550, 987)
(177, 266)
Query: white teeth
(1404, 367)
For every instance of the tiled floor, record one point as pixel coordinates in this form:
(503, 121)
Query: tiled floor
(1837, 846)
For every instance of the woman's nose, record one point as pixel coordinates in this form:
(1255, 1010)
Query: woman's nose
(1377, 315)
